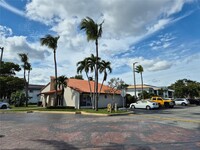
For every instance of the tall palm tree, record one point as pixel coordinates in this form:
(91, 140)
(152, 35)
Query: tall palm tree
(139, 69)
(92, 65)
(104, 66)
(93, 32)
(28, 68)
(51, 42)
(61, 80)
(24, 60)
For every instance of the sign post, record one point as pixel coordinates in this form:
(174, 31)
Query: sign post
(123, 94)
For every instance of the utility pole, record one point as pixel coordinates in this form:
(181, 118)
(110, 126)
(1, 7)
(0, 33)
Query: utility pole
(1, 56)
(134, 78)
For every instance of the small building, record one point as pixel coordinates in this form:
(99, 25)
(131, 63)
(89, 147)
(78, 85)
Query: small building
(33, 91)
(160, 91)
(78, 94)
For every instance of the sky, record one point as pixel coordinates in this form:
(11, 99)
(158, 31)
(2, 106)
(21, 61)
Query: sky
(161, 35)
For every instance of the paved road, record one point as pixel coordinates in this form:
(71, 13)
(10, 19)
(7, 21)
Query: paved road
(145, 130)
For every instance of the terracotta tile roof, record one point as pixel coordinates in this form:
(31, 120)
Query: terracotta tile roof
(82, 86)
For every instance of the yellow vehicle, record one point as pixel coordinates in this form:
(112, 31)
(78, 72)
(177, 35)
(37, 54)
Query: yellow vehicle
(168, 103)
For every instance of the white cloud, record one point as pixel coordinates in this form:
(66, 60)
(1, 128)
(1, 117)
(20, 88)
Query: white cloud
(13, 9)
(5, 31)
(126, 23)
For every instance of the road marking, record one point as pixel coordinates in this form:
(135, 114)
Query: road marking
(172, 119)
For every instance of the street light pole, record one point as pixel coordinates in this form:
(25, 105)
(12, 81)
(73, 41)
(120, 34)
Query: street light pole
(1, 56)
(134, 78)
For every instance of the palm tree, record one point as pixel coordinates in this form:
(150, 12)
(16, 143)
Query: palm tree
(139, 69)
(51, 42)
(84, 66)
(104, 66)
(61, 80)
(24, 60)
(93, 32)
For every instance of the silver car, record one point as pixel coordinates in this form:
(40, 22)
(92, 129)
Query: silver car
(4, 105)
(181, 101)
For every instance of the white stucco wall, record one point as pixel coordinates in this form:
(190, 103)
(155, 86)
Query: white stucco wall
(71, 98)
(105, 100)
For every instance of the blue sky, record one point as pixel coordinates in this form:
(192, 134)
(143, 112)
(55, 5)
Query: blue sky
(162, 36)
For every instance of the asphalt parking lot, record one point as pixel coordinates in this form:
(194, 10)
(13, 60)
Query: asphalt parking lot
(165, 129)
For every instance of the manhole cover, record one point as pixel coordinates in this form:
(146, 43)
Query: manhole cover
(2, 136)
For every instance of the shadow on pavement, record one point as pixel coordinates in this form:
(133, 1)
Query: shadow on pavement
(57, 144)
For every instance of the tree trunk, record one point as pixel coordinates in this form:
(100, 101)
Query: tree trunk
(90, 88)
(96, 76)
(101, 86)
(25, 87)
(56, 76)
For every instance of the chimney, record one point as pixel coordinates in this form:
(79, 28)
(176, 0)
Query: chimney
(52, 83)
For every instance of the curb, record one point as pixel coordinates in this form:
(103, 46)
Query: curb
(60, 112)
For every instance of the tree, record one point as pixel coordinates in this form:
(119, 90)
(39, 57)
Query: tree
(93, 32)
(115, 84)
(84, 66)
(78, 76)
(9, 83)
(24, 60)
(51, 42)
(28, 68)
(18, 98)
(62, 84)
(9, 68)
(104, 66)
(139, 69)
(186, 88)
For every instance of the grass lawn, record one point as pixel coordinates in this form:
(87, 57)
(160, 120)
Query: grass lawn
(36, 108)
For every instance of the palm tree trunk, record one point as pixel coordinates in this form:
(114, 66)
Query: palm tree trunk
(142, 86)
(89, 87)
(96, 75)
(25, 86)
(55, 76)
(101, 86)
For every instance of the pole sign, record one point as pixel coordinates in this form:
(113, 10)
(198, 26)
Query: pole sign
(123, 93)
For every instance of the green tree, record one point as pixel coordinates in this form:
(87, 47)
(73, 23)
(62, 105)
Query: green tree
(51, 42)
(186, 88)
(139, 69)
(62, 84)
(104, 66)
(93, 32)
(9, 69)
(18, 98)
(78, 76)
(8, 82)
(84, 66)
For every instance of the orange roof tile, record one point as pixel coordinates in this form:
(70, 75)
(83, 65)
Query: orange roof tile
(83, 86)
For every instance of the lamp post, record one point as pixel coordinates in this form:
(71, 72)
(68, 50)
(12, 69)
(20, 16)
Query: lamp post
(1, 56)
(134, 78)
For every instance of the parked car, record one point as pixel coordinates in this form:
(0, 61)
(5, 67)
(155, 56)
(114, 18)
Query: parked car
(181, 101)
(194, 101)
(144, 104)
(4, 105)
